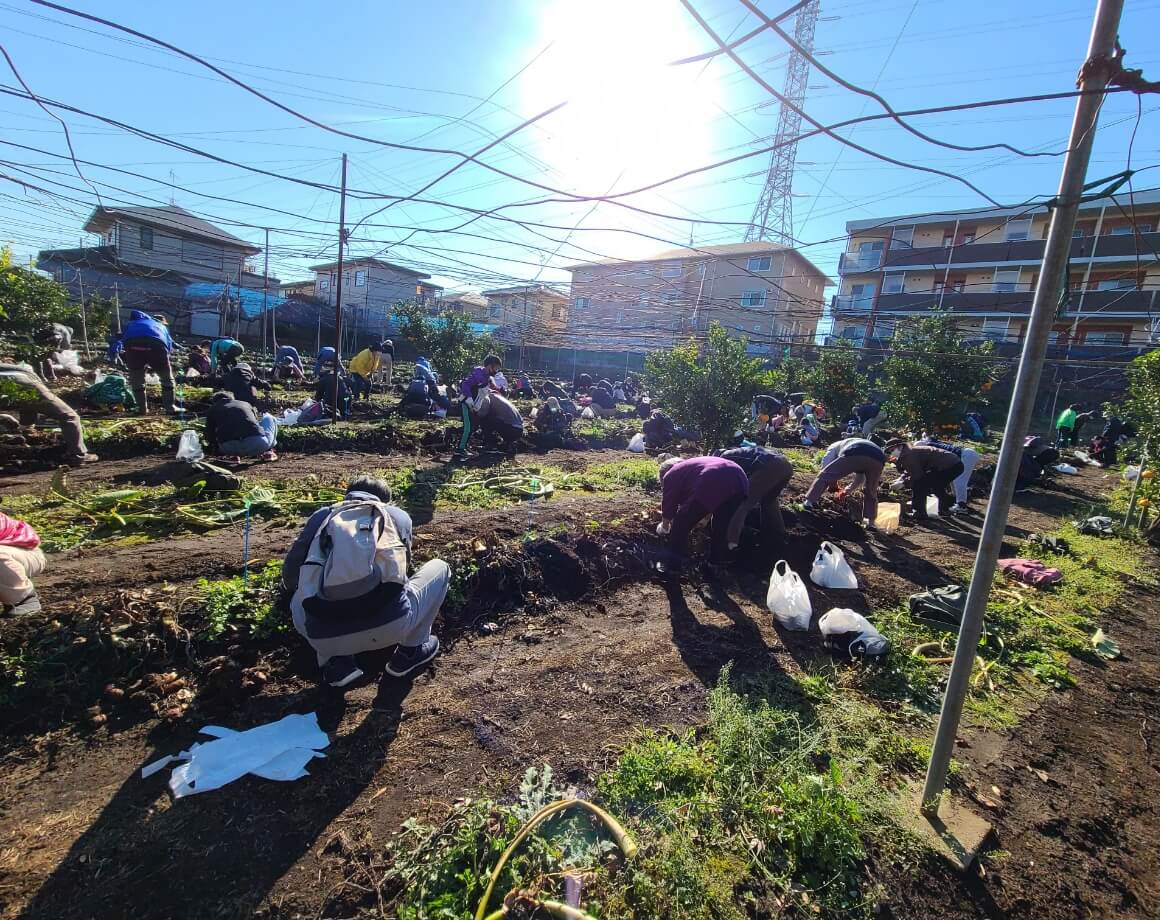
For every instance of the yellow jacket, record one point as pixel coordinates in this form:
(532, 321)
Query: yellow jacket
(365, 363)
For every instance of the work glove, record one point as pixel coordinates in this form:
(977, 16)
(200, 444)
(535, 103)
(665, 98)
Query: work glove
(664, 527)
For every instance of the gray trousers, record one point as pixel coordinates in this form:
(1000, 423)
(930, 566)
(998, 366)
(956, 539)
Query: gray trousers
(426, 590)
(867, 467)
(47, 403)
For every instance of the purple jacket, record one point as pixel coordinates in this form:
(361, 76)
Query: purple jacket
(473, 381)
(708, 481)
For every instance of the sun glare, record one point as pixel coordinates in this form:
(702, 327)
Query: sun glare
(628, 110)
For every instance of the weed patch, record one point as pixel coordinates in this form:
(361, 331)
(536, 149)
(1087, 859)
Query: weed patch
(243, 607)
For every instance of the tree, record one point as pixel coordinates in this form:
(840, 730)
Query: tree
(1142, 404)
(836, 381)
(446, 339)
(934, 372)
(794, 372)
(30, 301)
(709, 389)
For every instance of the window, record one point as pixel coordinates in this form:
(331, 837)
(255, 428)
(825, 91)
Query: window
(854, 333)
(892, 284)
(753, 299)
(948, 239)
(902, 238)
(360, 278)
(1104, 337)
(558, 312)
(671, 270)
(494, 310)
(1018, 230)
(1129, 230)
(1007, 280)
(968, 237)
(146, 237)
(619, 315)
(759, 263)
(957, 284)
(583, 303)
(1078, 233)
(1116, 284)
(884, 329)
(996, 329)
(324, 283)
(862, 291)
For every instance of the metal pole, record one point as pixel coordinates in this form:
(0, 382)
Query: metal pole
(1093, 79)
(338, 294)
(266, 291)
(84, 315)
(117, 306)
(1136, 484)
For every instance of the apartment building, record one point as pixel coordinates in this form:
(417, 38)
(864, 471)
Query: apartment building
(770, 294)
(983, 267)
(371, 288)
(527, 310)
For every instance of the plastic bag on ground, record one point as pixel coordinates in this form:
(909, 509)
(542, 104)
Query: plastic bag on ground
(787, 598)
(1066, 468)
(587, 413)
(189, 447)
(932, 505)
(1130, 473)
(153, 380)
(70, 362)
(98, 376)
(831, 570)
(850, 634)
(290, 417)
(636, 445)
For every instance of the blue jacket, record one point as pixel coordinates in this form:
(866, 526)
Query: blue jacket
(423, 371)
(143, 326)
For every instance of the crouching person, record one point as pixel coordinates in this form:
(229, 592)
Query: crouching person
(233, 428)
(694, 489)
(21, 560)
(352, 594)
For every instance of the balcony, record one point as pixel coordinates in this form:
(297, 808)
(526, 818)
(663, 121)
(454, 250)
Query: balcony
(1025, 251)
(851, 262)
(1126, 302)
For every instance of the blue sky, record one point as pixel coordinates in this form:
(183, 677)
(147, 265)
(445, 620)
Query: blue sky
(419, 73)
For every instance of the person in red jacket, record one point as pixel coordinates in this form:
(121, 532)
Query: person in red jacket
(20, 561)
(692, 490)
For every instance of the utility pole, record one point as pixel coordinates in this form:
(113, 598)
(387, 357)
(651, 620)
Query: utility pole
(266, 291)
(338, 293)
(84, 315)
(117, 305)
(1094, 75)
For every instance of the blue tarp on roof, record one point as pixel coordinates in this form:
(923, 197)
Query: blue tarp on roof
(251, 300)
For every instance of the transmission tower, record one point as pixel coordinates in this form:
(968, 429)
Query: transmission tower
(773, 217)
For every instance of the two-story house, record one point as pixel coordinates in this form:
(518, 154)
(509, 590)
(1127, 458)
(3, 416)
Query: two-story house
(771, 294)
(983, 267)
(527, 311)
(469, 304)
(150, 257)
(371, 288)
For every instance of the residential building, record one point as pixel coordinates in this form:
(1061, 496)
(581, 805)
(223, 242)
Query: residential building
(983, 266)
(371, 288)
(470, 304)
(304, 288)
(151, 258)
(771, 294)
(527, 311)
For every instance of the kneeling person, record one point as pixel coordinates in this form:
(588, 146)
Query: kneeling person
(232, 427)
(353, 594)
(499, 417)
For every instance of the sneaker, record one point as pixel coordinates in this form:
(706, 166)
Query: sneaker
(26, 607)
(409, 658)
(82, 459)
(341, 670)
(269, 456)
(957, 508)
(809, 506)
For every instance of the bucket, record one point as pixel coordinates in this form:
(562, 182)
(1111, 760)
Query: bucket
(889, 514)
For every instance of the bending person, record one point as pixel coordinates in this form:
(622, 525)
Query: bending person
(396, 610)
(692, 490)
(769, 472)
(24, 392)
(929, 471)
(857, 457)
(147, 346)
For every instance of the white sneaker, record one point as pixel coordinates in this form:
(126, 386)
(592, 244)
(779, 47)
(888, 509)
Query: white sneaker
(809, 506)
(958, 509)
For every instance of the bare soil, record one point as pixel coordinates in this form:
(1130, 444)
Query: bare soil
(586, 645)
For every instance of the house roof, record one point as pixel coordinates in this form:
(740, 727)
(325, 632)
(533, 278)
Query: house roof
(469, 297)
(1143, 196)
(526, 289)
(105, 258)
(329, 266)
(725, 250)
(169, 217)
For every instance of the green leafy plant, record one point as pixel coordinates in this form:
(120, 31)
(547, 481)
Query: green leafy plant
(836, 381)
(32, 301)
(707, 388)
(447, 339)
(934, 372)
(247, 606)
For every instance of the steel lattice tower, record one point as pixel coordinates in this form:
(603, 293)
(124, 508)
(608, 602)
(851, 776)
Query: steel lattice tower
(773, 216)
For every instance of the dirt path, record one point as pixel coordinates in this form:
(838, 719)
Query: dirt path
(81, 835)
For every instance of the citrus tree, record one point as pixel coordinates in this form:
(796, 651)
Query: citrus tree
(30, 301)
(708, 388)
(446, 340)
(933, 372)
(836, 381)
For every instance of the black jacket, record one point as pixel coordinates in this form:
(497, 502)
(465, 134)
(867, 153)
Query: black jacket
(242, 383)
(230, 420)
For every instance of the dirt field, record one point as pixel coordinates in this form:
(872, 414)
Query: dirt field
(565, 652)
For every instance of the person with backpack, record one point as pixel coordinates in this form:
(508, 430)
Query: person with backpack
(146, 346)
(348, 571)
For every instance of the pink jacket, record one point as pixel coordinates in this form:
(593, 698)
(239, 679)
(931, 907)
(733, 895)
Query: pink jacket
(14, 532)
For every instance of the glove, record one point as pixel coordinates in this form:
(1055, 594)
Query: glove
(664, 527)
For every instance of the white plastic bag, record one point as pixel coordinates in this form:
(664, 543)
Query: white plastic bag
(932, 506)
(1130, 472)
(152, 380)
(831, 570)
(98, 376)
(70, 362)
(852, 634)
(587, 413)
(787, 598)
(189, 447)
(290, 417)
(1066, 468)
(636, 445)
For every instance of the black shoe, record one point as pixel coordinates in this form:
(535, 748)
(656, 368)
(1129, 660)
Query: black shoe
(341, 671)
(408, 659)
